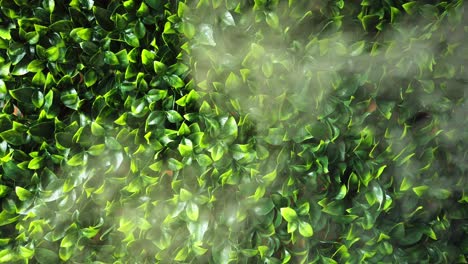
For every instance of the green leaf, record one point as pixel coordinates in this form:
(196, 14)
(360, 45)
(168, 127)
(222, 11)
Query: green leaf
(217, 152)
(90, 78)
(182, 254)
(174, 81)
(14, 137)
(185, 195)
(270, 177)
(292, 226)
(229, 129)
(4, 69)
(342, 192)
(159, 67)
(20, 69)
(23, 194)
(305, 229)
(394, 12)
(62, 26)
(97, 130)
(188, 29)
(49, 5)
(140, 30)
(53, 53)
(7, 218)
(35, 163)
(175, 165)
(37, 98)
(132, 40)
(420, 190)
(97, 150)
(82, 34)
(65, 253)
(147, 57)
(76, 160)
(203, 160)
(233, 82)
(198, 250)
(192, 211)
(110, 58)
(369, 22)
(22, 94)
(70, 100)
(142, 10)
(3, 88)
(185, 150)
(173, 116)
(155, 4)
(4, 190)
(272, 20)
(103, 18)
(357, 48)
(304, 208)
(112, 143)
(410, 7)
(275, 136)
(263, 206)
(46, 256)
(289, 214)
(205, 36)
(35, 66)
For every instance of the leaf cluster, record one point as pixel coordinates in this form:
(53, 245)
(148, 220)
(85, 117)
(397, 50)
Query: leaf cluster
(237, 131)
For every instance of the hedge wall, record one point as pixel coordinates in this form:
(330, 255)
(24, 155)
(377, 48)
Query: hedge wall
(237, 131)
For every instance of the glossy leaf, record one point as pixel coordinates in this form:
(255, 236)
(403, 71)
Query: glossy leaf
(305, 229)
(288, 214)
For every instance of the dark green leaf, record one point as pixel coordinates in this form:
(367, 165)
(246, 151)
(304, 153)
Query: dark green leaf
(103, 18)
(155, 4)
(14, 137)
(263, 206)
(46, 256)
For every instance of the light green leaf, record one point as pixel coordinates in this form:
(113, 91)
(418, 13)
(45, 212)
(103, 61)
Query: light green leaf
(97, 150)
(35, 66)
(420, 190)
(35, 163)
(305, 229)
(97, 130)
(23, 194)
(410, 7)
(230, 129)
(76, 160)
(147, 57)
(185, 195)
(182, 254)
(289, 214)
(173, 116)
(270, 177)
(342, 193)
(217, 152)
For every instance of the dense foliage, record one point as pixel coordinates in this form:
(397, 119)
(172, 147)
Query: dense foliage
(237, 131)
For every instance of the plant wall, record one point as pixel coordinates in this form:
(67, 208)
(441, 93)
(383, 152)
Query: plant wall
(237, 131)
